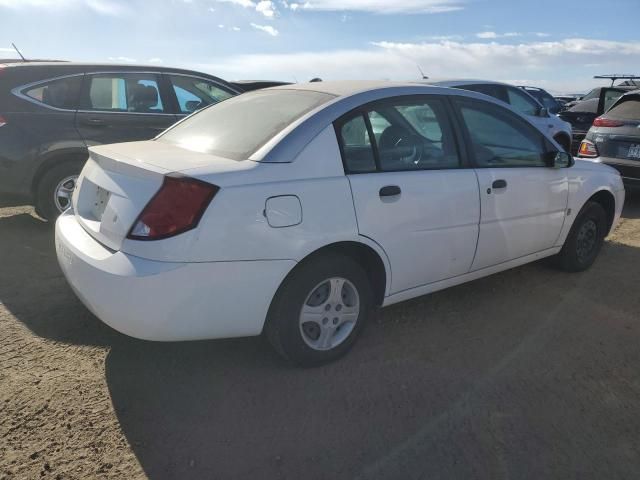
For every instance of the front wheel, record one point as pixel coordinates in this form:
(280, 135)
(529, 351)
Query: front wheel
(584, 242)
(320, 310)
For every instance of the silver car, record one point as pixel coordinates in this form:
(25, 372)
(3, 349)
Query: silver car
(520, 101)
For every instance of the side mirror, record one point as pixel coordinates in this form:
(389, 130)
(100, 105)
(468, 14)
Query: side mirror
(558, 159)
(543, 112)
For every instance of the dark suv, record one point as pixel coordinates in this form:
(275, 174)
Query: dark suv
(51, 112)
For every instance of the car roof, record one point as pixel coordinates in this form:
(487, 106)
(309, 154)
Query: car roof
(461, 81)
(345, 88)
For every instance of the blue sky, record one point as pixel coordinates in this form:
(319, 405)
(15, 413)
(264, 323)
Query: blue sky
(558, 45)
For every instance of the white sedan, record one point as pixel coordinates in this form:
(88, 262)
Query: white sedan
(298, 210)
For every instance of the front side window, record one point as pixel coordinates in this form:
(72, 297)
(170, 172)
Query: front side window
(61, 93)
(499, 138)
(195, 93)
(522, 102)
(135, 93)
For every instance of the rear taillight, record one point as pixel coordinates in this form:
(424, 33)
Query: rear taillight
(607, 122)
(176, 208)
(3, 121)
(588, 149)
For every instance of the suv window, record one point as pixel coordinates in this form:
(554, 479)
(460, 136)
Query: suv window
(492, 90)
(195, 93)
(129, 92)
(60, 93)
(408, 134)
(499, 138)
(522, 102)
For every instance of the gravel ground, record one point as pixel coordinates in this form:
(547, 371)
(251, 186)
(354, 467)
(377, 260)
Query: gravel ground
(528, 374)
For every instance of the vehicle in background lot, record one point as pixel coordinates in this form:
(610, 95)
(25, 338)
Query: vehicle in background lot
(250, 85)
(544, 98)
(51, 112)
(566, 99)
(614, 138)
(284, 210)
(520, 101)
(583, 112)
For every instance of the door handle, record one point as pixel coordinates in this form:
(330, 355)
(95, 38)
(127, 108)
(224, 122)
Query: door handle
(390, 191)
(94, 122)
(499, 184)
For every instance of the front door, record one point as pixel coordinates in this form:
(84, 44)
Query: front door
(412, 193)
(122, 107)
(523, 201)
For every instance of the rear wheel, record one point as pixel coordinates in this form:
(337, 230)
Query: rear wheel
(320, 310)
(584, 242)
(54, 190)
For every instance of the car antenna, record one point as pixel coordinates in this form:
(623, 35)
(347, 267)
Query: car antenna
(16, 49)
(424, 77)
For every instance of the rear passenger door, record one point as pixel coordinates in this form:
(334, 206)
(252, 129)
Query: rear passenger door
(523, 201)
(122, 107)
(413, 193)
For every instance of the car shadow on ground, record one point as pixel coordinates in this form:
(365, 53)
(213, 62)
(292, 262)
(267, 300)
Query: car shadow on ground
(503, 377)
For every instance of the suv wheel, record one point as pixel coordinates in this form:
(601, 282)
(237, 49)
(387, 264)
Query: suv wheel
(54, 190)
(320, 310)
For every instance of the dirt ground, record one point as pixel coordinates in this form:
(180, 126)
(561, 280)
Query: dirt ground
(528, 374)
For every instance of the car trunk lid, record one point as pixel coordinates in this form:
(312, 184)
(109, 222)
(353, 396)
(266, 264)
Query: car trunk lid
(119, 180)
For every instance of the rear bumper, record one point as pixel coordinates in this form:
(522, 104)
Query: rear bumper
(165, 301)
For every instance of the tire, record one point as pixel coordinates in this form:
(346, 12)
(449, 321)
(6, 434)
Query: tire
(294, 338)
(585, 239)
(50, 182)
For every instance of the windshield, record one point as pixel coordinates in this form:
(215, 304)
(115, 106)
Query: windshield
(238, 127)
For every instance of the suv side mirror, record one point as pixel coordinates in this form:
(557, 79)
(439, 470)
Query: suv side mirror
(543, 112)
(558, 159)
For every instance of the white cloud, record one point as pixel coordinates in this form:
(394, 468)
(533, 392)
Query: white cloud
(544, 61)
(122, 59)
(492, 35)
(264, 7)
(267, 29)
(380, 6)
(103, 7)
(235, 29)
(155, 60)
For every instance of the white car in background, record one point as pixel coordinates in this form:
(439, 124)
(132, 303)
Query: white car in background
(284, 210)
(522, 102)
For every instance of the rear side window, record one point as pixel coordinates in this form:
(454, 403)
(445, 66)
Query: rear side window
(499, 138)
(398, 135)
(627, 110)
(492, 90)
(195, 93)
(238, 127)
(61, 93)
(135, 93)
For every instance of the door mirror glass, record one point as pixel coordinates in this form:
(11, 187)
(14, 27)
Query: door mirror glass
(558, 159)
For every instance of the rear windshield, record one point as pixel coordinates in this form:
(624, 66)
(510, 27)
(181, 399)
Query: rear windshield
(238, 127)
(627, 110)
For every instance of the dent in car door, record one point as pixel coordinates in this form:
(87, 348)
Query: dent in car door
(424, 215)
(122, 107)
(523, 202)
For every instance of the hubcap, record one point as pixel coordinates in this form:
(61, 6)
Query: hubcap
(329, 313)
(63, 191)
(587, 239)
